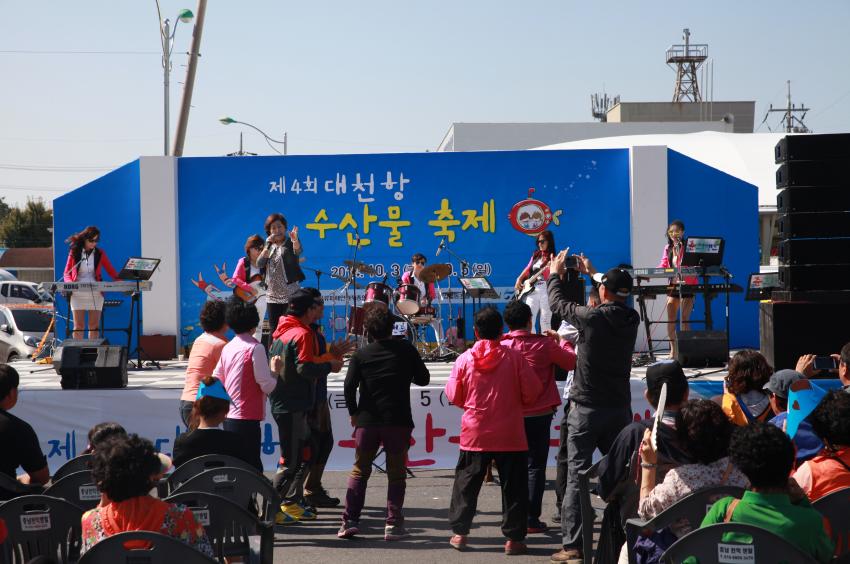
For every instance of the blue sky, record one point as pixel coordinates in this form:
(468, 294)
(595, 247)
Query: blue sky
(378, 76)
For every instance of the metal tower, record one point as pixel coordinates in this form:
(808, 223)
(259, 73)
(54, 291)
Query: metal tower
(687, 59)
(793, 124)
(600, 104)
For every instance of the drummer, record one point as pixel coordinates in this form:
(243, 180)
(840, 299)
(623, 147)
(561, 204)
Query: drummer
(426, 290)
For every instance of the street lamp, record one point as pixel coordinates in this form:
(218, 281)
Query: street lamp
(167, 37)
(227, 120)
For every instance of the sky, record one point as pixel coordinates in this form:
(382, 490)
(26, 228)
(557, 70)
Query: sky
(82, 82)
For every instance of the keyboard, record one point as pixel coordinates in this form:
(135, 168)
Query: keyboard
(106, 286)
(686, 289)
(671, 272)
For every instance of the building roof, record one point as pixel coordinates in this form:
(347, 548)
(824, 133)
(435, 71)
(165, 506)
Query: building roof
(27, 257)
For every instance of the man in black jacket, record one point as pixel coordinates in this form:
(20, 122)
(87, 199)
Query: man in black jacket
(600, 397)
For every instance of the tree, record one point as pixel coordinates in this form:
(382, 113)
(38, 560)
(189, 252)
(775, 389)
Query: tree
(4, 209)
(27, 226)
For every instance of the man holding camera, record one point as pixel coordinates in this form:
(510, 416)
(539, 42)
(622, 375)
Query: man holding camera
(600, 397)
(809, 365)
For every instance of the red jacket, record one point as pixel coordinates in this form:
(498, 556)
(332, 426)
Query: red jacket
(100, 261)
(545, 267)
(493, 385)
(542, 354)
(407, 278)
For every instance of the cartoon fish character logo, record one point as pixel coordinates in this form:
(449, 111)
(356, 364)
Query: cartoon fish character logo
(531, 216)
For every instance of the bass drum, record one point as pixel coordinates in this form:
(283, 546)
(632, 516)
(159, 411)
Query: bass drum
(408, 299)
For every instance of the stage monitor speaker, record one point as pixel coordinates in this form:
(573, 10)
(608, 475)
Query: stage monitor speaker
(812, 173)
(86, 367)
(814, 251)
(101, 342)
(789, 330)
(814, 199)
(700, 349)
(832, 146)
(814, 277)
(814, 225)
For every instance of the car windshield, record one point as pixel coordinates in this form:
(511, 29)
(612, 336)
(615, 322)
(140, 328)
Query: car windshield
(45, 297)
(32, 320)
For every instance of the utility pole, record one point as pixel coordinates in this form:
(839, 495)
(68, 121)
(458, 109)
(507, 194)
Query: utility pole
(183, 119)
(793, 124)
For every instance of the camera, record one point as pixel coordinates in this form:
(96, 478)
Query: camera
(825, 363)
(571, 262)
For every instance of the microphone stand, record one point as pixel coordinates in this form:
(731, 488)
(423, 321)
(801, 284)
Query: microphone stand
(461, 320)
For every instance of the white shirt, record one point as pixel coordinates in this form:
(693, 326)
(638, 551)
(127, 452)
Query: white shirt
(85, 270)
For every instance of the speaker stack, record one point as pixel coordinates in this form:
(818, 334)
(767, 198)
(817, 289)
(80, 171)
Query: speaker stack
(90, 363)
(811, 311)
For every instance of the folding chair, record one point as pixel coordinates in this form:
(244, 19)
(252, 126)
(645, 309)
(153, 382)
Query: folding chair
(735, 542)
(238, 485)
(78, 488)
(40, 525)
(158, 549)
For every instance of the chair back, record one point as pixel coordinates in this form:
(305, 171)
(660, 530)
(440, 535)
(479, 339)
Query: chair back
(39, 525)
(735, 542)
(692, 507)
(11, 488)
(232, 530)
(200, 464)
(78, 488)
(157, 549)
(77, 464)
(241, 486)
(588, 513)
(836, 508)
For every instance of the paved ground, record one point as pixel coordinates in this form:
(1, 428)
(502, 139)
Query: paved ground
(426, 514)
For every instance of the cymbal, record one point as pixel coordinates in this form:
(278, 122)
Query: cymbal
(361, 267)
(435, 272)
(344, 279)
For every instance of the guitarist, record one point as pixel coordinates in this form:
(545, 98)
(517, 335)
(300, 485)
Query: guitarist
(249, 278)
(537, 268)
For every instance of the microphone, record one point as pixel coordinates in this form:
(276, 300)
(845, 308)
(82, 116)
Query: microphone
(440, 248)
(268, 242)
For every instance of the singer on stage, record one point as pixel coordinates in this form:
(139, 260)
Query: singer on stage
(674, 250)
(250, 278)
(280, 259)
(85, 264)
(427, 291)
(538, 300)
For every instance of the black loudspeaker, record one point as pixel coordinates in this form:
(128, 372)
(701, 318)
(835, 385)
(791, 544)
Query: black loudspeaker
(813, 147)
(85, 367)
(101, 342)
(815, 277)
(804, 225)
(814, 251)
(699, 349)
(813, 199)
(789, 330)
(812, 173)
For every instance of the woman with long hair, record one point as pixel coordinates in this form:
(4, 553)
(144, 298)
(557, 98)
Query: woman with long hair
(250, 279)
(674, 251)
(85, 264)
(538, 299)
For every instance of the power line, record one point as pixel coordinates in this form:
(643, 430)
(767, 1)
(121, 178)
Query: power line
(33, 188)
(53, 168)
(35, 52)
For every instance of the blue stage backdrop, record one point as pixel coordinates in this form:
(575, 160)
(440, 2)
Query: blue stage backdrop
(399, 204)
(112, 204)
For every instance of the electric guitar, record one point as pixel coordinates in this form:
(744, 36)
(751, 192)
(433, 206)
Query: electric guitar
(258, 290)
(528, 283)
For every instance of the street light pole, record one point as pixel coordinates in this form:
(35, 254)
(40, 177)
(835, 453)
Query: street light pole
(227, 120)
(167, 37)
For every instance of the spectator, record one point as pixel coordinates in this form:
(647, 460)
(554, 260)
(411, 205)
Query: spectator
(806, 442)
(765, 455)
(543, 354)
(382, 372)
(805, 365)
(493, 385)
(18, 442)
(124, 469)
(744, 400)
(243, 368)
(101, 432)
(600, 396)
(293, 397)
(829, 470)
(206, 350)
(204, 437)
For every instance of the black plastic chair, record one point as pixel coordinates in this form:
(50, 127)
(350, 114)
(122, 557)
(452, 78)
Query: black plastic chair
(160, 549)
(755, 545)
(232, 530)
(39, 525)
(836, 508)
(78, 464)
(11, 488)
(78, 488)
(238, 485)
(193, 467)
(692, 507)
(588, 512)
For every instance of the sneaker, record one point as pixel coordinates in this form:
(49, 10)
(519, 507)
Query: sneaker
(308, 513)
(569, 555)
(348, 529)
(395, 532)
(458, 542)
(538, 527)
(321, 498)
(293, 510)
(513, 548)
(284, 519)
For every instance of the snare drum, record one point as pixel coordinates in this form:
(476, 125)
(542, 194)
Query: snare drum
(425, 315)
(377, 292)
(408, 299)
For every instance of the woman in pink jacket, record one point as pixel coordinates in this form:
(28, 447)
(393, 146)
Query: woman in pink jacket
(85, 264)
(250, 277)
(674, 251)
(493, 385)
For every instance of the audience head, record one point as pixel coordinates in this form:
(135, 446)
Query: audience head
(764, 454)
(844, 365)
(666, 372)
(103, 431)
(748, 370)
(9, 381)
(378, 323)
(777, 388)
(518, 315)
(213, 316)
(211, 404)
(306, 303)
(705, 429)
(241, 316)
(831, 419)
(125, 467)
(488, 323)
(615, 285)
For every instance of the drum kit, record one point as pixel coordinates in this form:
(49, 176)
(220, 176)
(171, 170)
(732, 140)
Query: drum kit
(412, 311)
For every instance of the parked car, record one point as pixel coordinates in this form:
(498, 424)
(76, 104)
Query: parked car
(21, 328)
(18, 292)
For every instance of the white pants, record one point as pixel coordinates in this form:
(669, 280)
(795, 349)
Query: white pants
(260, 304)
(538, 301)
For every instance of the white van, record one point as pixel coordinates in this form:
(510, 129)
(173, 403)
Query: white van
(18, 292)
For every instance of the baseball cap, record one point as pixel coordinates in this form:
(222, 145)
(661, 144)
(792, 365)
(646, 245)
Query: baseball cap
(664, 371)
(781, 380)
(302, 299)
(618, 280)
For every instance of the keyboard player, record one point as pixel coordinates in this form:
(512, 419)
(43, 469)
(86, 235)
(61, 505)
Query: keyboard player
(85, 264)
(677, 301)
